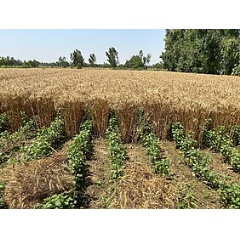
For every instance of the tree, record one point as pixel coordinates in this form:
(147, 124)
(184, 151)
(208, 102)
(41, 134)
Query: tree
(230, 55)
(77, 58)
(135, 62)
(62, 62)
(146, 59)
(92, 59)
(201, 51)
(138, 61)
(112, 56)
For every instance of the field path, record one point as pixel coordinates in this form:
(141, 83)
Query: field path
(219, 166)
(192, 193)
(140, 187)
(99, 176)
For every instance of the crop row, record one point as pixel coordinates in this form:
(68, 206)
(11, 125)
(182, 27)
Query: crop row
(3, 122)
(79, 151)
(152, 143)
(116, 148)
(2, 202)
(9, 141)
(45, 141)
(219, 141)
(199, 163)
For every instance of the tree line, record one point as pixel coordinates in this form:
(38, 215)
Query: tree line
(138, 61)
(209, 51)
(215, 51)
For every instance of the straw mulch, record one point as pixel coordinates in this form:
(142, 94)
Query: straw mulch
(32, 182)
(141, 188)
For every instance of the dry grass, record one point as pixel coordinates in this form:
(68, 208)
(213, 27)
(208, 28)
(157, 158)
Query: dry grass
(31, 182)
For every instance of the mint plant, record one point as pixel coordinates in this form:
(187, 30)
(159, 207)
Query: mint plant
(116, 148)
(230, 193)
(45, 141)
(152, 143)
(3, 122)
(58, 201)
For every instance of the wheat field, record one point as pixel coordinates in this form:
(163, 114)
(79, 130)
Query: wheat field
(164, 96)
(180, 89)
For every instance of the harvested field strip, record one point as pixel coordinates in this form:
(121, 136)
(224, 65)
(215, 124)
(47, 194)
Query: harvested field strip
(11, 143)
(31, 182)
(219, 166)
(192, 193)
(140, 187)
(199, 163)
(219, 141)
(159, 163)
(99, 176)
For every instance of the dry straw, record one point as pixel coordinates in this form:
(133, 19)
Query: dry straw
(140, 188)
(31, 182)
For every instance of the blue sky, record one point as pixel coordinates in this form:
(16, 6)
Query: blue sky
(48, 45)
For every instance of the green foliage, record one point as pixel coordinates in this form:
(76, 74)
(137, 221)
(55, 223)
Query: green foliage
(78, 152)
(11, 62)
(230, 195)
(62, 62)
(187, 199)
(112, 57)
(77, 58)
(9, 142)
(45, 141)
(117, 149)
(3, 122)
(92, 59)
(58, 201)
(219, 141)
(236, 70)
(152, 143)
(178, 133)
(2, 202)
(201, 50)
(236, 136)
(138, 61)
(230, 55)
(194, 158)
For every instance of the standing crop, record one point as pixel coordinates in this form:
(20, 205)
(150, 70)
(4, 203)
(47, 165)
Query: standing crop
(152, 143)
(117, 150)
(11, 141)
(3, 122)
(79, 152)
(219, 141)
(200, 165)
(2, 202)
(46, 139)
(58, 201)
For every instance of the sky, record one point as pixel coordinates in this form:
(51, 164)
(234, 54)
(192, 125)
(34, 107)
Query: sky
(48, 45)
